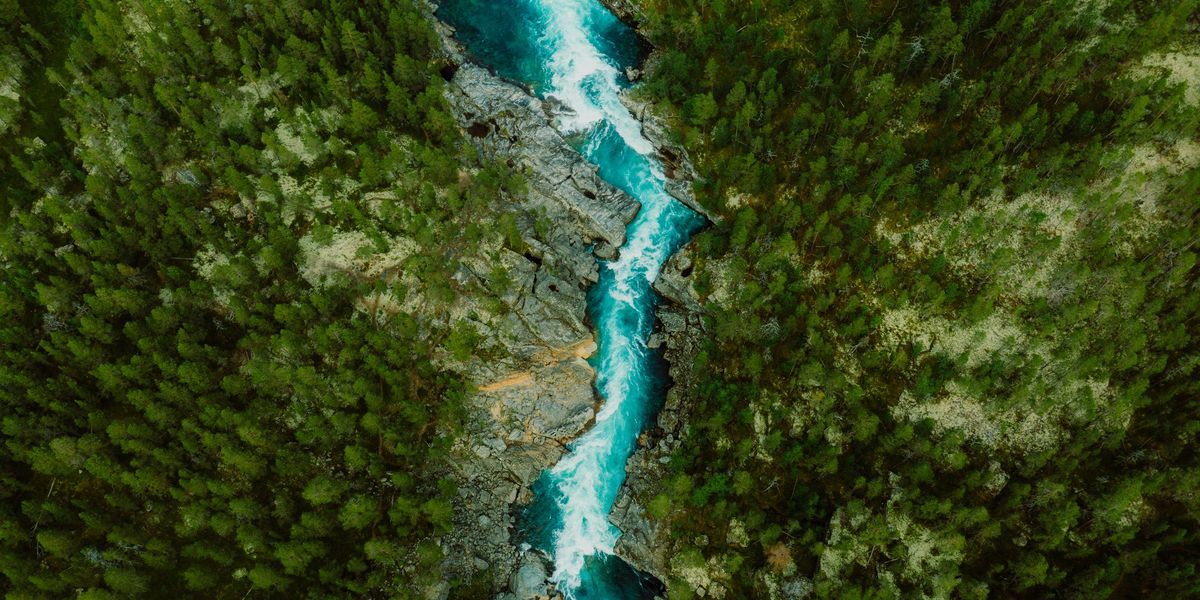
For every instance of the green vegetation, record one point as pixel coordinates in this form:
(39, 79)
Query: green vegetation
(952, 301)
(195, 401)
(952, 298)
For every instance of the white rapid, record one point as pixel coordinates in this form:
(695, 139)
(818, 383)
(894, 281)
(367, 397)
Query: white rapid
(590, 476)
(582, 77)
(573, 50)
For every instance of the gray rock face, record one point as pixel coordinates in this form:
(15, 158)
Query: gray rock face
(675, 283)
(626, 10)
(529, 581)
(540, 394)
(674, 157)
(510, 124)
(644, 542)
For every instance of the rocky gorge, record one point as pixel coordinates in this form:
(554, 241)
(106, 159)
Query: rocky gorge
(539, 393)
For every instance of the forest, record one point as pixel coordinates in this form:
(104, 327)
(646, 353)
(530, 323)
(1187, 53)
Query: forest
(951, 299)
(186, 412)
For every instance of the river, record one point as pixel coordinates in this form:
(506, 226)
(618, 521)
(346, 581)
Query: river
(575, 51)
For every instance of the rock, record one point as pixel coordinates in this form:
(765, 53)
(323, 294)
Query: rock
(498, 536)
(605, 250)
(795, 588)
(626, 10)
(678, 167)
(556, 401)
(510, 496)
(529, 581)
(673, 323)
(644, 543)
(559, 181)
(622, 502)
(539, 392)
(674, 283)
(638, 544)
(437, 591)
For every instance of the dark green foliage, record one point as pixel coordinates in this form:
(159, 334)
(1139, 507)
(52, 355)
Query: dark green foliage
(183, 414)
(821, 128)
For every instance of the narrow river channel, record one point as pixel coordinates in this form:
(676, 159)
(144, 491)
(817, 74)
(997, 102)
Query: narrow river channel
(575, 51)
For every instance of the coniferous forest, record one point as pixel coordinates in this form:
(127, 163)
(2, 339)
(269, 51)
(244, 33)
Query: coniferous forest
(184, 413)
(953, 299)
(948, 299)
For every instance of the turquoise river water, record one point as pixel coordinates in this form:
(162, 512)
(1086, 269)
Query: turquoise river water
(576, 51)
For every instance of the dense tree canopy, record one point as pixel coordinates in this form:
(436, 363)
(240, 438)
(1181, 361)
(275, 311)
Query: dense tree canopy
(186, 410)
(952, 299)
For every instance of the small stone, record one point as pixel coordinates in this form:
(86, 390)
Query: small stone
(498, 535)
(672, 321)
(482, 451)
(462, 275)
(798, 587)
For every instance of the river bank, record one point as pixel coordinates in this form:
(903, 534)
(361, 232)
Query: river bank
(529, 406)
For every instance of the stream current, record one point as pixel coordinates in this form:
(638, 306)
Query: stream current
(576, 52)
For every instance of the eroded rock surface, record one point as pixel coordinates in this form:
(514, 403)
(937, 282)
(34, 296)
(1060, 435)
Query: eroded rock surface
(643, 542)
(511, 124)
(677, 165)
(535, 388)
(626, 10)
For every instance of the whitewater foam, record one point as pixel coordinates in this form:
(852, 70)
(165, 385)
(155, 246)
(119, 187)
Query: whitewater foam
(584, 80)
(566, 59)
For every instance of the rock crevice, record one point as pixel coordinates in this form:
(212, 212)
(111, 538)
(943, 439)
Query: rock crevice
(539, 393)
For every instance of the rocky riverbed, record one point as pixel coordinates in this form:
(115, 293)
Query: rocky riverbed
(539, 395)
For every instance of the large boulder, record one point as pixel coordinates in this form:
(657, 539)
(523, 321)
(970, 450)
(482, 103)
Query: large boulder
(529, 580)
(509, 123)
